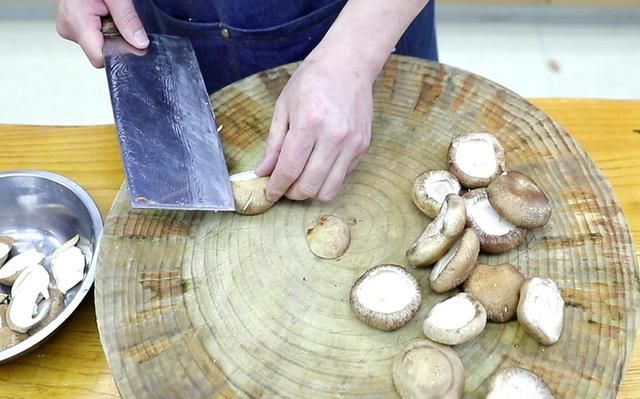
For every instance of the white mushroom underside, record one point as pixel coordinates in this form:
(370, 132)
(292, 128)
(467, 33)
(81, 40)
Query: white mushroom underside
(438, 189)
(517, 386)
(243, 176)
(453, 313)
(385, 291)
(444, 261)
(488, 219)
(476, 158)
(4, 249)
(544, 309)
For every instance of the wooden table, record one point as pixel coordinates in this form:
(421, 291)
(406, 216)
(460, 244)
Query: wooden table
(72, 365)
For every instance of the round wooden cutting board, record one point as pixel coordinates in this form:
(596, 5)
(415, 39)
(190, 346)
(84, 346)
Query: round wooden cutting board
(218, 305)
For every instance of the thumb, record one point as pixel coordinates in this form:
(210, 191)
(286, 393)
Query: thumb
(128, 23)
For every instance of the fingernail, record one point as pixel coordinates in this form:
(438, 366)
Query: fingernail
(140, 38)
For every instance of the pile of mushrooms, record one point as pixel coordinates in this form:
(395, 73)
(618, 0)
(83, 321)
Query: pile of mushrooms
(34, 300)
(476, 206)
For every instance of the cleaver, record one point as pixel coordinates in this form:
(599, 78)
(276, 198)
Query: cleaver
(171, 150)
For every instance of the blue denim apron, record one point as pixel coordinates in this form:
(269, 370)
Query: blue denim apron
(237, 38)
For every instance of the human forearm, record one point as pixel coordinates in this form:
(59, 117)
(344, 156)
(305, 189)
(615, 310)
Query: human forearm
(366, 32)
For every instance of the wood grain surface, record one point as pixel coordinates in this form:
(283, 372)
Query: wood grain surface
(72, 365)
(196, 304)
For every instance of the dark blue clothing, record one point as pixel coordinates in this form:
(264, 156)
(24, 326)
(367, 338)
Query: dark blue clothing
(237, 38)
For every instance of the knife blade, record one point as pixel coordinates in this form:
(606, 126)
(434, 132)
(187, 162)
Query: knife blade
(171, 150)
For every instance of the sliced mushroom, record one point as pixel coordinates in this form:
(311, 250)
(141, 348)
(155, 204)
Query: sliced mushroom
(6, 244)
(56, 307)
(518, 382)
(497, 288)
(440, 234)
(386, 297)
(476, 159)
(541, 309)
(328, 236)
(496, 235)
(14, 266)
(519, 200)
(455, 320)
(8, 337)
(67, 265)
(456, 265)
(30, 301)
(427, 370)
(431, 188)
(250, 193)
(35, 275)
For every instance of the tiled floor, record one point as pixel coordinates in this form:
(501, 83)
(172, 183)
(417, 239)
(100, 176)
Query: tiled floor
(537, 52)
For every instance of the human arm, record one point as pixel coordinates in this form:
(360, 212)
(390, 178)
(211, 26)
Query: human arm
(321, 124)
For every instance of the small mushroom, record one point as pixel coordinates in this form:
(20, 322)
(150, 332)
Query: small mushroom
(386, 297)
(476, 159)
(6, 243)
(8, 337)
(497, 288)
(67, 265)
(328, 236)
(455, 320)
(440, 234)
(250, 193)
(29, 299)
(496, 235)
(427, 370)
(56, 307)
(519, 200)
(541, 309)
(14, 266)
(456, 265)
(431, 188)
(518, 382)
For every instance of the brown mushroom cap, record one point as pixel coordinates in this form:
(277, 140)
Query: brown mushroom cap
(8, 337)
(456, 265)
(426, 370)
(496, 235)
(519, 200)
(431, 188)
(386, 297)
(476, 159)
(440, 234)
(56, 307)
(518, 382)
(328, 236)
(455, 320)
(249, 193)
(541, 309)
(497, 288)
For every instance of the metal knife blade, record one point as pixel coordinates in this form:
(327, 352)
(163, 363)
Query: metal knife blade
(171, 150)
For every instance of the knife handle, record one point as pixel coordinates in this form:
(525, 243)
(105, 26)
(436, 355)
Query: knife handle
(109, 28)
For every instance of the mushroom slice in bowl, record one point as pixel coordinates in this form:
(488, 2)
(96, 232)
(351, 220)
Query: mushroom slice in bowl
(427, 370)
(67, 265)
(440, 234)
(431, 188)
(476, 159)
(29, 299)
(10, 271)
(518, 382)
(519, 200)
(456, 265)
(6, 244)
(455, 320)
(496, 235)
(386, 297)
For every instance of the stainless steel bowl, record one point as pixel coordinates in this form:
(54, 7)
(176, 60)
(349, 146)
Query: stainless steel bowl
(43, 210)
